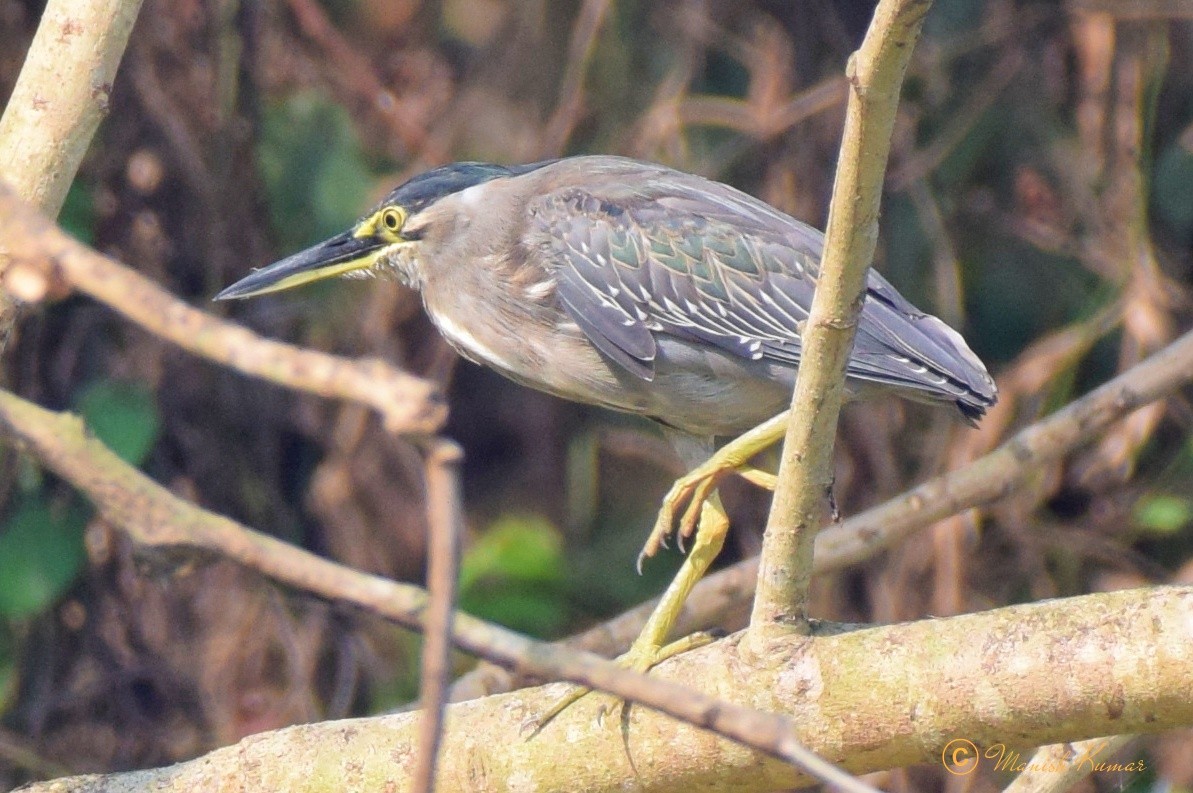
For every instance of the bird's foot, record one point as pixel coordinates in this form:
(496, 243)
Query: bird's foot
(689, 493)
(642, 656)
(691, 490)
(650, 647)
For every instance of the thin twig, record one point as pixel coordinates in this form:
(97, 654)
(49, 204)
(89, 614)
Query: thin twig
(445, 523)
(875, 73)
(43, 255)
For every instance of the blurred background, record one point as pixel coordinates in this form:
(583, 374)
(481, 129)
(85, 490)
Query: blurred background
(1040, 199)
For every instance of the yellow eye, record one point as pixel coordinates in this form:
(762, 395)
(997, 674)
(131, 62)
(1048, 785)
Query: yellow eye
(392, 219)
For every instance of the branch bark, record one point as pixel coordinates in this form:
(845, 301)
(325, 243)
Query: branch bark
(875, 74)
(59, 99)
(61, 95)
(879, 698)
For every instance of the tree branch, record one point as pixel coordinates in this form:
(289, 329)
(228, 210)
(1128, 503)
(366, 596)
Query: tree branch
(875, 73)
(445, 521)
(42, 254)
(61, 95)
(879, 698)
(55, 107)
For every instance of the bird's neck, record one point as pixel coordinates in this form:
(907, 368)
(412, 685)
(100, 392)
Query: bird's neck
(404, 267)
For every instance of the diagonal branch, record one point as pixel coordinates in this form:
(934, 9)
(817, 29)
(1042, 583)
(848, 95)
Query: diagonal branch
(61, 95)
(154, 517)
(42, 254)
(875, 73)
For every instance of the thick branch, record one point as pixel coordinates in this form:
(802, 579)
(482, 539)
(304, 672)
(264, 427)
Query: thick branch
(41, 253)
(875, 73)
(880, 698)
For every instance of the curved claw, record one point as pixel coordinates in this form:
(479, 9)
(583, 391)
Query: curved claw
(689, 491)
(700, 494)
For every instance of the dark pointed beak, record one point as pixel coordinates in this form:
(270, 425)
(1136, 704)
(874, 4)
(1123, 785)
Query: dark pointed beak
(336, 256)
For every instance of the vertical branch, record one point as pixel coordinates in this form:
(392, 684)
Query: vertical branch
(875, 74)
(444, 521)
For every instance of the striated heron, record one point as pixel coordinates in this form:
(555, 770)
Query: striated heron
(642, 289)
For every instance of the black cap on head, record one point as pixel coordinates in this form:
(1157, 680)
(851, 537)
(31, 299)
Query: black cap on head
(425, 189)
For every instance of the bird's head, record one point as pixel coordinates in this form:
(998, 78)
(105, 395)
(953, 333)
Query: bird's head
(388, 240)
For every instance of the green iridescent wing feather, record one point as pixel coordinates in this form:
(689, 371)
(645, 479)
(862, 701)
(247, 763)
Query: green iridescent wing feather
(701, 261)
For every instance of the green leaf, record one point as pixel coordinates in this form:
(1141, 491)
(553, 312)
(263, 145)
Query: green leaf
(122, 415)
(1163, 514)
(514, 573)
(523, 548)
(41, 555)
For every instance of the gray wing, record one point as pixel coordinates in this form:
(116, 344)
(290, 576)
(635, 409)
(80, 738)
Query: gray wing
(701, 261)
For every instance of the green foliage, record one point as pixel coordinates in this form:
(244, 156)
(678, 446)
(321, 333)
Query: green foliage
(77, 216)
(1163, 514)
(41, 554)
(41, 544)
(513, 575)
(311, 165)
(122, 415)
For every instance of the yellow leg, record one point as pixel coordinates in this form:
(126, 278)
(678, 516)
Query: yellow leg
(695, 487)
(756, 476)
(710, 538)
(650, 647)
